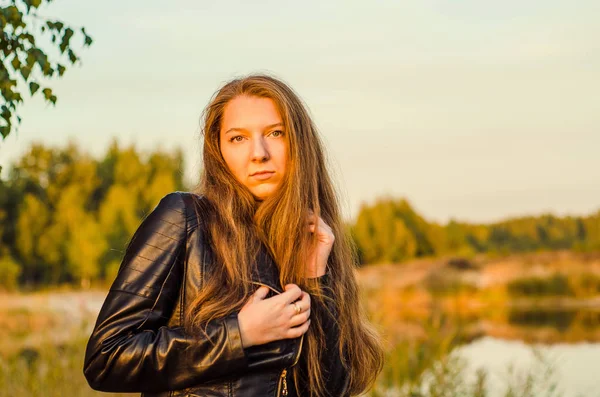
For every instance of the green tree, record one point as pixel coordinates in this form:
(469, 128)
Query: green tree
(478, 237)
(118, 218)
(67, 217)
(85, 241)
(364, 233)
(131, 186)
(164, 176)
(32, 223)
(9, 271)
(390, 230)
(23, 62)
(418, 226)
(404, 245)
(591, 224)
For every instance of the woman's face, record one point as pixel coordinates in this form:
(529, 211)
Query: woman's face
(254, 144)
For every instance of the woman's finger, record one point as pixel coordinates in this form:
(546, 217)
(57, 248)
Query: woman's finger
(313, 219)
(260, 293)
(291, 294)
(301, 318)
(298, 331)
(324, 225)
(305, 299)
(303, 304)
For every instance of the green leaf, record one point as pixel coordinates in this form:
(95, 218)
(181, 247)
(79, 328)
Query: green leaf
(27, 37)
(30, 59)
(13, 16)
(47, 70)
(42, 59)
(33, 87)
(65, 40)
(72, 57)
(6, 115)
(16, 63)
(4, 112)
(25, 72)
(9, 83)
(32, 4)
(47, 93)
(20, 53)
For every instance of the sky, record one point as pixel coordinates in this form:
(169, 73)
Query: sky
(472, 110)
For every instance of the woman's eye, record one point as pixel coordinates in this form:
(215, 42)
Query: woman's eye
(277, 131)
(235, 138)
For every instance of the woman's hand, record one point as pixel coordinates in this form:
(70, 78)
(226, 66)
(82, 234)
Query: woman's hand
(317, 259)
(264, 320)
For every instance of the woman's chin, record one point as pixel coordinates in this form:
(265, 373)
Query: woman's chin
(262, 194)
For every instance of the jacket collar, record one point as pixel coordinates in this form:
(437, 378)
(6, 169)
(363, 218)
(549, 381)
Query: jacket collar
(265, 270)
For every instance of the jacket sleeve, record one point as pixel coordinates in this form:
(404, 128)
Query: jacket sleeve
(131, 349)
(336, 375)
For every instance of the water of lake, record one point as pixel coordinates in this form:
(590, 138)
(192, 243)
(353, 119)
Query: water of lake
(575, 365)
(573, 356)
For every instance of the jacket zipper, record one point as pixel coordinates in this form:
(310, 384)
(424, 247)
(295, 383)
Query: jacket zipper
(282, 381)
(282, 389)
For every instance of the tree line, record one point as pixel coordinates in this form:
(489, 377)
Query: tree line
(66, 217)
(391, 231)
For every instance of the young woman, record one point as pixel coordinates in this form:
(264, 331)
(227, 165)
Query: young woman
(198, 308)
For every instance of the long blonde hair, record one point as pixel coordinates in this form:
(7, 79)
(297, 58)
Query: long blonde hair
(238, 220)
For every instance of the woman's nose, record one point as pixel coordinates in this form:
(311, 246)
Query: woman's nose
(260, 151)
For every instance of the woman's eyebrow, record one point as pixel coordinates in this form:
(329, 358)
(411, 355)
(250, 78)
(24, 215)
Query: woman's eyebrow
(243, 129)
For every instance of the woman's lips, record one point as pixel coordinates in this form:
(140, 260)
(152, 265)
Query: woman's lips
(263, 175)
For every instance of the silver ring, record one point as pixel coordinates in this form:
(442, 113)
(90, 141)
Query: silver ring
(297, 308)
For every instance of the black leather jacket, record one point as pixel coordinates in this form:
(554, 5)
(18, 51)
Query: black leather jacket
(139, 343)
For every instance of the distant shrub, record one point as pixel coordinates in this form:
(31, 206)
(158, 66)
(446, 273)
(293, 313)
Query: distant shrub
(534, 318)
(589, 284)
(447, 282)
(9, 273)
(460, 263)
(557, 285)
